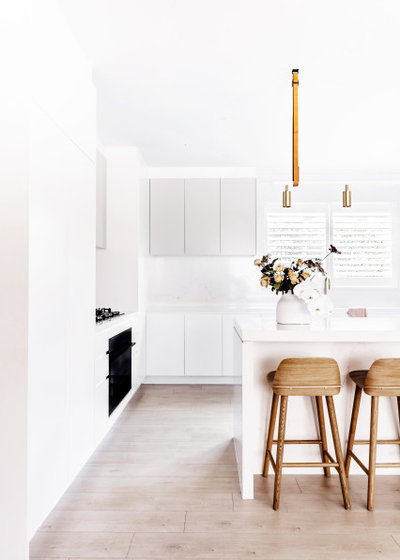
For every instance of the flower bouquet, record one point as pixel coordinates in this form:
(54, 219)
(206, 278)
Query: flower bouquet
(295, 281)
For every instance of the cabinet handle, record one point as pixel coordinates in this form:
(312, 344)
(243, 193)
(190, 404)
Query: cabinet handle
(120, 350)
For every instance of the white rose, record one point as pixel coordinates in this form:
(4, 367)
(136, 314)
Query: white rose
(278, 267)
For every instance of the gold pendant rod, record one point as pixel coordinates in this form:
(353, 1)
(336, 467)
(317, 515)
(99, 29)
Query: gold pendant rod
(295, 85)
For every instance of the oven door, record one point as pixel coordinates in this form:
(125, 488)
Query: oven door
(120, 368)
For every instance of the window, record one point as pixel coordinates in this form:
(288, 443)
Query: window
(364, 234)
(366, 240)
(296, 234)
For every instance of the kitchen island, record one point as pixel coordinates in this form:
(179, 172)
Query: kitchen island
(259, 346)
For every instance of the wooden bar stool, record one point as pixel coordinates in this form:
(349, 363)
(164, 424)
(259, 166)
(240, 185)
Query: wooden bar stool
(313, 377)
(381, 380)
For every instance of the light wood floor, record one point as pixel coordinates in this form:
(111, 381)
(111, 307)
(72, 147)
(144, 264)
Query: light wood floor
(163, 485)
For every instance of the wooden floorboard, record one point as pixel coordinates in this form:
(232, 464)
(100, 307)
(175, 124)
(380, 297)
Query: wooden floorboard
(163, 485)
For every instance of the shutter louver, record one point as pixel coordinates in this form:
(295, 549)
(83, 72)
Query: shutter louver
(296, 235)
(365, 240)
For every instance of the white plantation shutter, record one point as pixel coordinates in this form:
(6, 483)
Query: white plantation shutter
(293, 235)
(365, 239)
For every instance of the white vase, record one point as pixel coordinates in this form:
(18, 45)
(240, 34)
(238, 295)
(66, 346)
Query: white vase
(291, 310)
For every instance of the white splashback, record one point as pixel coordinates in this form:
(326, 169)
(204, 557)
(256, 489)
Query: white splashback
(234, 280)
(202, 279)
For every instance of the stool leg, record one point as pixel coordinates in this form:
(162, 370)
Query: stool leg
(372, 452)
(322, 432)
(338, 451)
(270, 438)
(279, 453)
(398, 406)
(352, 429)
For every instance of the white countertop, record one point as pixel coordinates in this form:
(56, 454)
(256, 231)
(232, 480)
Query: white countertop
(380, 325)
(207, 307)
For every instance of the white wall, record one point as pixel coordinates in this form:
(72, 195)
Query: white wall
(14, 118)
(61, 263)
(118, 264)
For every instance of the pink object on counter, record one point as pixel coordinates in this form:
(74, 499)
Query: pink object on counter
(357, 312)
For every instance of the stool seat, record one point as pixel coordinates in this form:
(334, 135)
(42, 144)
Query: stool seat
(382, 379)
(358, 377)
(306, 377)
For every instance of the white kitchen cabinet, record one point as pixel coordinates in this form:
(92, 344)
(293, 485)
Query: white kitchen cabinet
(165, 344)
(101, 200)
(227, 343)
(238, 217)
(101, 369)
(101, 418)
(202, 209)
(203, 344)
(167, 219)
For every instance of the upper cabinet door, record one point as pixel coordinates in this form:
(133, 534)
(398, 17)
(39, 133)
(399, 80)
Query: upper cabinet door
(167, 221)
(202, 212)
(238, 216)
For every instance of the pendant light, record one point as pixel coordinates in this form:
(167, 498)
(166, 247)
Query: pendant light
(287, 197)
(346, 197)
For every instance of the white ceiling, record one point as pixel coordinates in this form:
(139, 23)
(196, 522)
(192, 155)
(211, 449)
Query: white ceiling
(208, 82)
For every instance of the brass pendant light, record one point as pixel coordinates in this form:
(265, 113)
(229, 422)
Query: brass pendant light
(287, 197)
(346, 197)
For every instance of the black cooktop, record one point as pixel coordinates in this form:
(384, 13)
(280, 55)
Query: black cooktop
(106, 313)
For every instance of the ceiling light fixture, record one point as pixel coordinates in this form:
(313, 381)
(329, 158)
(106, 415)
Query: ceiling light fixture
(346, 197)
(287, 197)
(295, 140)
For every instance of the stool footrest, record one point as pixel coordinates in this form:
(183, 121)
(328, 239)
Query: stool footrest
(295, 465)
(359, 463)
(273, 464)
(330, 463)
(331, 459)
(299, 442)
(380, 441)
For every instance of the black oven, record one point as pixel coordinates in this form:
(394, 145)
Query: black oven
(120, 368)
